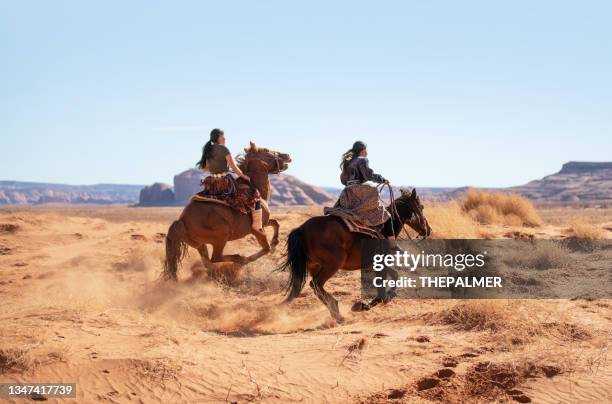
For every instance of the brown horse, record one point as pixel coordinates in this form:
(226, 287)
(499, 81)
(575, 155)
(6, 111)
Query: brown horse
(203, 223)
(323, 245)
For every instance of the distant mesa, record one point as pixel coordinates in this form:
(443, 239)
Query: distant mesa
(286, 190)
(575, 182)
(158, 194)
(35, 193)
(186, 184)
(581, 167)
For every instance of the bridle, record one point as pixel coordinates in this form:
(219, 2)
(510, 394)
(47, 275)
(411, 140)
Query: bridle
(277, 163)
(395, 213)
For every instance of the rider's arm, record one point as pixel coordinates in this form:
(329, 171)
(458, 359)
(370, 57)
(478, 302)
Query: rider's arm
(234, 167)
(368, 174)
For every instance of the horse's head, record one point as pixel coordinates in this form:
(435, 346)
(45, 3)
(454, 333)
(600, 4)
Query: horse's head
(410, 210)
(259, 159)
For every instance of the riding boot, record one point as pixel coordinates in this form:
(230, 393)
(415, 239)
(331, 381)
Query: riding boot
(257, 216)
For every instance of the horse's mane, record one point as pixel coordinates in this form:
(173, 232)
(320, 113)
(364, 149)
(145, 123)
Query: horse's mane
(241, 159)
(241, 162)
(403, 203)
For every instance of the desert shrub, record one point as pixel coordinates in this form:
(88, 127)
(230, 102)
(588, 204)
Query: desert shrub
(566, 331)
(449, 221)
(478, 315)
(8, 228)
(500, 208)
(585, 229)
(489, 379)
(14, 360)
(508, 323)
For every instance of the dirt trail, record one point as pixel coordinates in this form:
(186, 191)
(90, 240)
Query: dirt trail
(81, 303)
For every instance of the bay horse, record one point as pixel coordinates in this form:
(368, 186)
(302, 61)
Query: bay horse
(323, 244)
(203, 223)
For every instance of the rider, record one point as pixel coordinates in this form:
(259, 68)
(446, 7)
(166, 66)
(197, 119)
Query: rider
(355, 166)
(217, 159)
(358, 197)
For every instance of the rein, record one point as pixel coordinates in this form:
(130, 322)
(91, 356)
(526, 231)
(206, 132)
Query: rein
(395, 213)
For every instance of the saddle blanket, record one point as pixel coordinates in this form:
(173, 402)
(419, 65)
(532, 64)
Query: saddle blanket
(356, 227)
(202, 198)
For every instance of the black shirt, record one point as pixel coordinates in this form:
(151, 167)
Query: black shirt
(358, 170)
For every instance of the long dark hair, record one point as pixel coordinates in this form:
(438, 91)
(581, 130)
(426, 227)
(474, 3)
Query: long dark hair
(351, 153)
(207, 149)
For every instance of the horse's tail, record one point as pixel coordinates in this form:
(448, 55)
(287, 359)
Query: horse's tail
(176, 249)
(295, 260)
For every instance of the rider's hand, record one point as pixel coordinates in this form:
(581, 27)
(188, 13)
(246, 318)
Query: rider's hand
(246, 177)
(387, 182)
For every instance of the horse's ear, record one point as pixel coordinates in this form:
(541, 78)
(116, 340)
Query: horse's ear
(413, 194)
(253, 146)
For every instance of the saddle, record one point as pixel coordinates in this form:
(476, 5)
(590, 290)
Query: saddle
(361, 210)
(200, 197)
(355, 226)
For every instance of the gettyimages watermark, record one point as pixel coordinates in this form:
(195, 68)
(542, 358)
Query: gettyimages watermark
(488, 269)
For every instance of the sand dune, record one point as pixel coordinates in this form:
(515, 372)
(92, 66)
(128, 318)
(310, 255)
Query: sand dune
(81, 303)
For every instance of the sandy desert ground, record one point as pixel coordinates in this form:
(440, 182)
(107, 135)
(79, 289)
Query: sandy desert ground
(81, 303)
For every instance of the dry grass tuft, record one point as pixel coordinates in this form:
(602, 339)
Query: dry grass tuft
(449, 221)
(489, 379)
(14, 359)
(500, 208)
(566, 331)
(355, 351)
(481, 315)
(8, 228)
(155, 370)
(508, 323)
(582, 228)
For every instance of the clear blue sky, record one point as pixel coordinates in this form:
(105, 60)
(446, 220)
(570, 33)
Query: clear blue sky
(445, 93)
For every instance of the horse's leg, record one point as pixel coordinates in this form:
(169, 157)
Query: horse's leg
(218, 256)
(276, 226)
(203, 250)
(263, 242)
(237, 258)
(388, 296)
(382, 296)
(317, 283)
(206, 261)
(217, 252)
(195, 270)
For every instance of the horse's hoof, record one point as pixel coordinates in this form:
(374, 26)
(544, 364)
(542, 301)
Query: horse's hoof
(361, 306)
(389, 297)
(339, 319)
